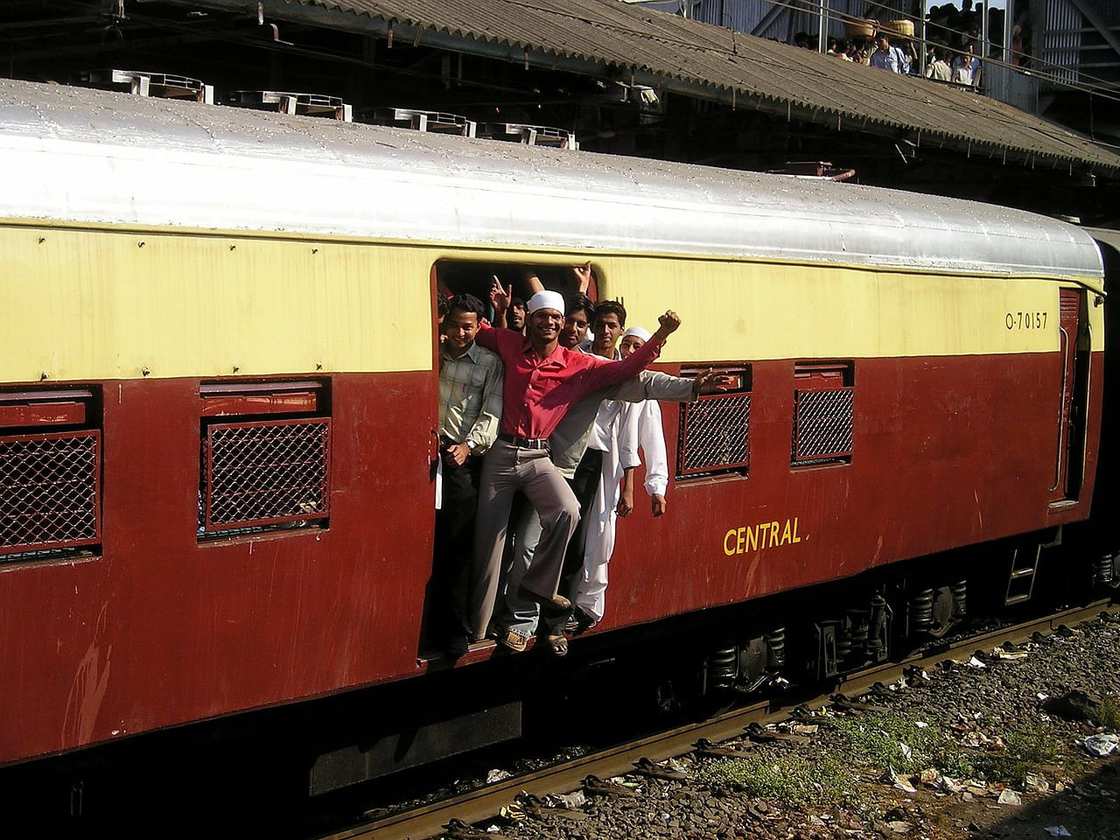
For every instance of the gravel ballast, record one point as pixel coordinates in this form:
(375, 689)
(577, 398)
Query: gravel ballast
(988, 745)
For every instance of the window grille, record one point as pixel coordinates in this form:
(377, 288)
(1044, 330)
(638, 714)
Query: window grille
(824, 399)
(50, 487)
(715, 431)
(264, 473)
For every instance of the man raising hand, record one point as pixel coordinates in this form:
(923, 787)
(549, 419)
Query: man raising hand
(542, 380)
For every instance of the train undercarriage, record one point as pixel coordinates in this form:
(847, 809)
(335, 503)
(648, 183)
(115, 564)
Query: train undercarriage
(315, 755)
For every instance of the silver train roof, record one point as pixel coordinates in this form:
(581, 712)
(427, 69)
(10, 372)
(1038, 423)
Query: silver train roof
(82, 155)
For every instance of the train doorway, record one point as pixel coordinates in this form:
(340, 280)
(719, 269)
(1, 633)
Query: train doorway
(1072, 416)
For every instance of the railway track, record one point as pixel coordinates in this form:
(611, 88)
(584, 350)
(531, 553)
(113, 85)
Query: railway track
(430, 820)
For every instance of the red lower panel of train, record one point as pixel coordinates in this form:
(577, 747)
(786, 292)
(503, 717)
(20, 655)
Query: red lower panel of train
(161, 627)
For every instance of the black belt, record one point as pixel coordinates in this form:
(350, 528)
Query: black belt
(524, 443)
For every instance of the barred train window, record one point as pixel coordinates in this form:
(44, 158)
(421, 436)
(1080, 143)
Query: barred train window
(824, 395)
(265, 457)
(50, 473)
(715, 429)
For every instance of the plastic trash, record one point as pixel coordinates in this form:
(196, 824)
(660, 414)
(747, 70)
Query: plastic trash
(574, 801)
(1101, 745)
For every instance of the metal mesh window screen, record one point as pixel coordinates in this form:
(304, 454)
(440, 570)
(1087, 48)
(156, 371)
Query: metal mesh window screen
(49, 491)
(715, 435)
(266, 473)
(822, 429)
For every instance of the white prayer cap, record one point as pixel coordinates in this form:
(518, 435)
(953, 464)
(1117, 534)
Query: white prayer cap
(546, 300)
(639, 332)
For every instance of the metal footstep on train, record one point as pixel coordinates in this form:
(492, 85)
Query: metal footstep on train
(1020, 581)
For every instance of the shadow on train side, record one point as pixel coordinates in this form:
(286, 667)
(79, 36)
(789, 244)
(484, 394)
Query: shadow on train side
(1098, 536)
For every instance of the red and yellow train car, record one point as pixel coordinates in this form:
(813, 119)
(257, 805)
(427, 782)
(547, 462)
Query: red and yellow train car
(218, 392)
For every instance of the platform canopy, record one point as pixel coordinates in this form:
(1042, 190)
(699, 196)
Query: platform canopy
(632, 44)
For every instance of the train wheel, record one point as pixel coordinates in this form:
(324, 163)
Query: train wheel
(943, 613)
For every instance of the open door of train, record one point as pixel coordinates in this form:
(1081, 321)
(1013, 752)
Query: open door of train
(1074, 349)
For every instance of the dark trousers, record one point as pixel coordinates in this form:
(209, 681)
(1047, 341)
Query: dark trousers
(454, 545)
(584, 484)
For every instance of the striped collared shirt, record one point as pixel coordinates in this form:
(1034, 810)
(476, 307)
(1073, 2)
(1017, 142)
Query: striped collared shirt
(470, 397)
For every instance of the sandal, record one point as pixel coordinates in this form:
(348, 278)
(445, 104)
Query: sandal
(557, 645)
(579, 621)
(512, 640)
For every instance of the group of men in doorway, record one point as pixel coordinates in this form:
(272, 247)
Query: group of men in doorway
(540, 427)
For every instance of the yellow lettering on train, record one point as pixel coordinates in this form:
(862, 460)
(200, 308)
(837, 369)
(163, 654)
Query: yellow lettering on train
(750, 538)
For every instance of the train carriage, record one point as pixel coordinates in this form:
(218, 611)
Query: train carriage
(219, 390)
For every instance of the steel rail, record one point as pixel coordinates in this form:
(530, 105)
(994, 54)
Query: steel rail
(430, 820)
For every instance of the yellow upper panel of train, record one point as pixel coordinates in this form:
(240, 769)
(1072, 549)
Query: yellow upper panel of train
(105, 304)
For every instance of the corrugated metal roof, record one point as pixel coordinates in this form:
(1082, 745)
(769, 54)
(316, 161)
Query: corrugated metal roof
(763, 73)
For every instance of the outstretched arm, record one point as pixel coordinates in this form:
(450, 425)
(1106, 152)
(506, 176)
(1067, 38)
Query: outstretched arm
(606, 373)
(655, 385)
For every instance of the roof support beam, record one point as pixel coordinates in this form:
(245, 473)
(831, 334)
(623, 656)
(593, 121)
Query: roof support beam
(768, 18)
(1098, 23)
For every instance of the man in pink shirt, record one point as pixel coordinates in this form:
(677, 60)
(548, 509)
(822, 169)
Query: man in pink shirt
(542, 379)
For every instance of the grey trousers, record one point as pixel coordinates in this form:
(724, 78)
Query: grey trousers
(505, 470)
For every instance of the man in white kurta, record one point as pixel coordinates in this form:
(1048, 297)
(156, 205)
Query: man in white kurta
(620, 431)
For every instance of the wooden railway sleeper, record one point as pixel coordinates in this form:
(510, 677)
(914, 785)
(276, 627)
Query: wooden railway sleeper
(459, 830)
(880, 690)
(598, 787)
(764, 736)
(534, 807)
(803, 714)
(842, 702)
(706, 748)
(645, 767)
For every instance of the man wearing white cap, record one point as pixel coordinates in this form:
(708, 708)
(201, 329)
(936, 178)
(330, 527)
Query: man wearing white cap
(580, 463)
(542, 380)
(630, 426)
